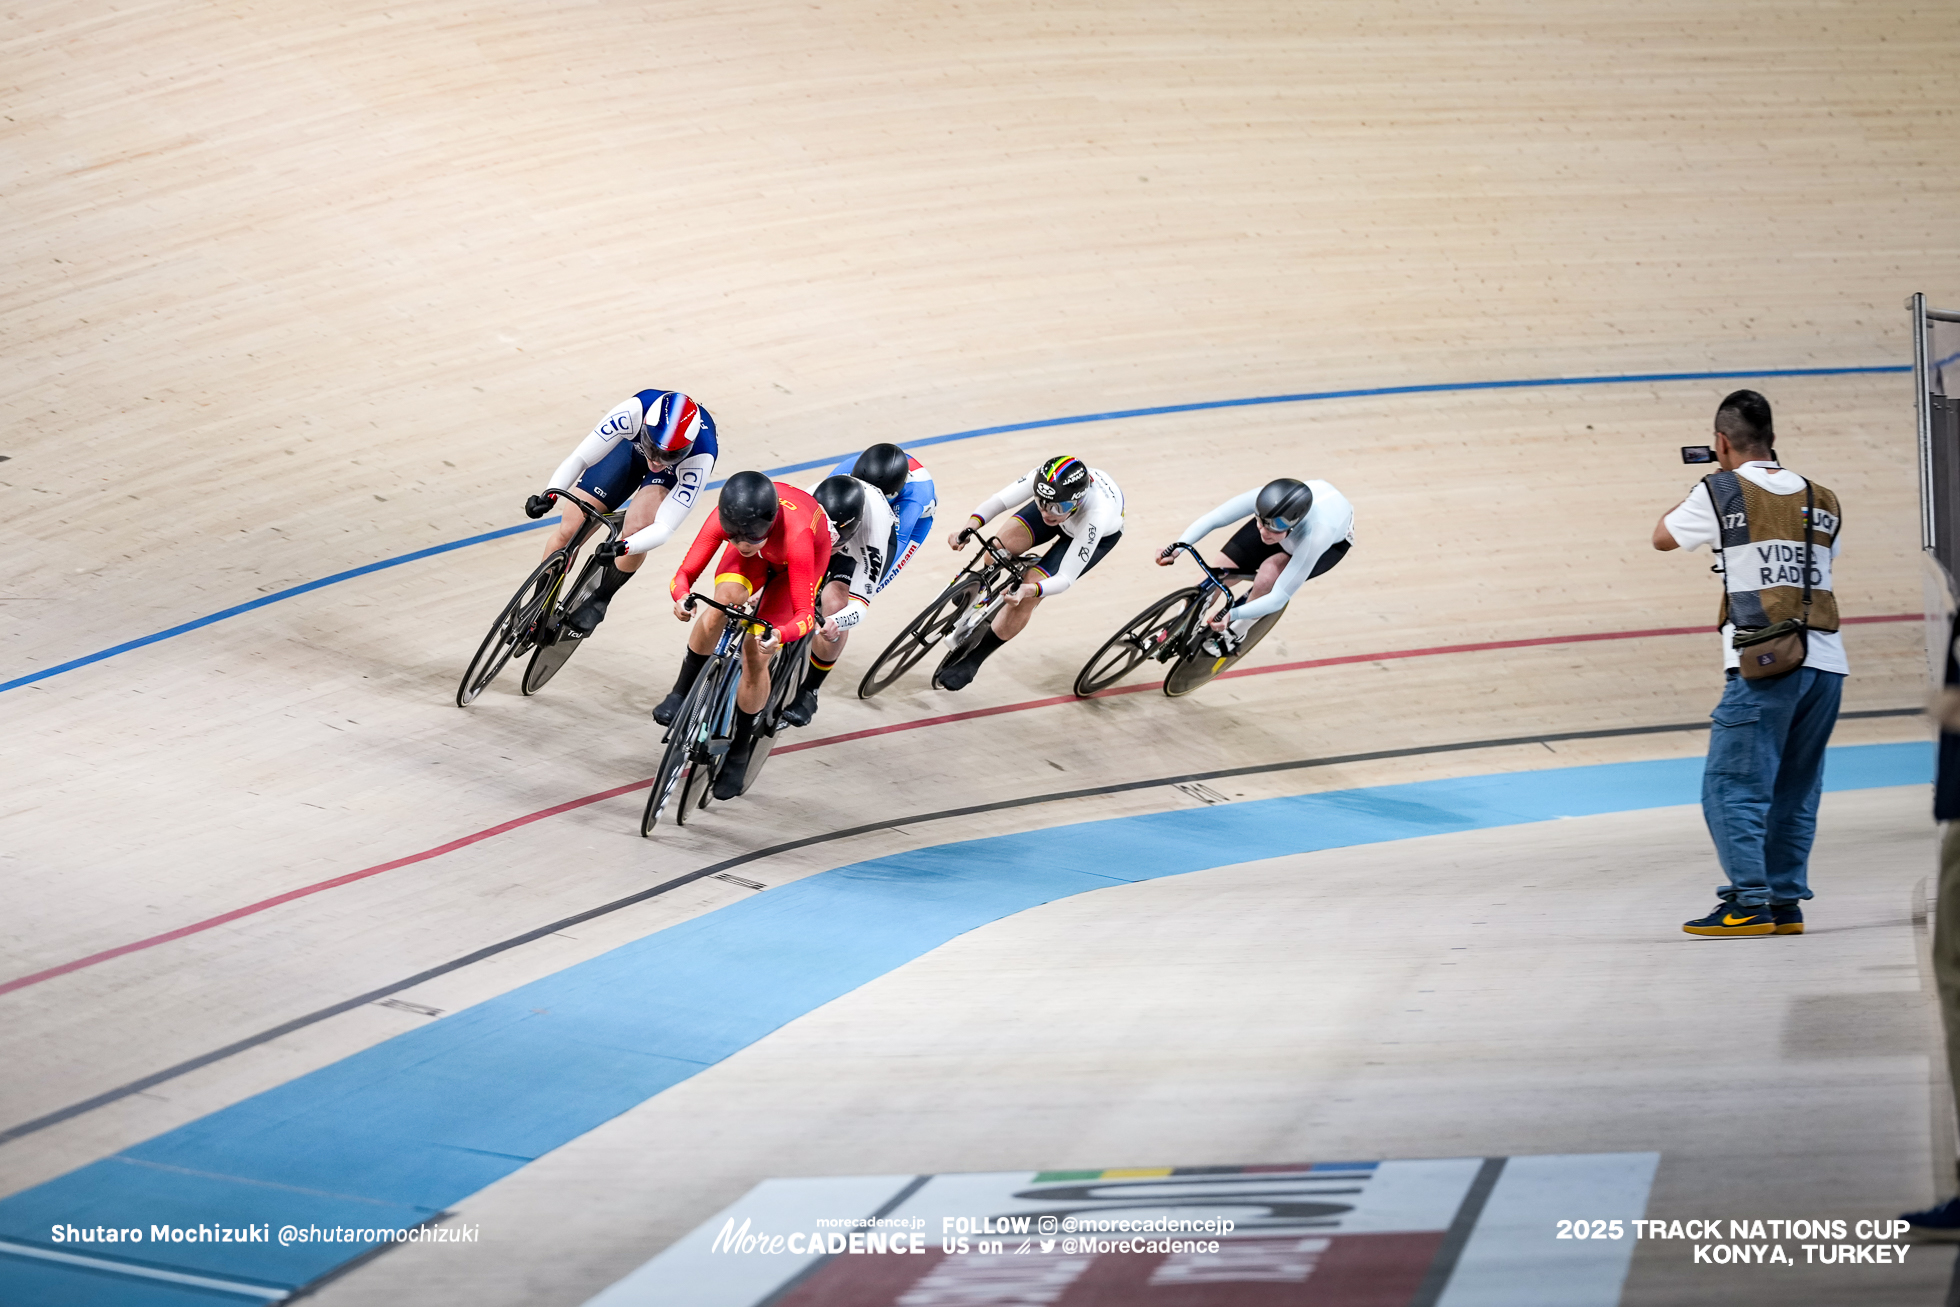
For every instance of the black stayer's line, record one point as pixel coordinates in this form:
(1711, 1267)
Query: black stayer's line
(456, 964)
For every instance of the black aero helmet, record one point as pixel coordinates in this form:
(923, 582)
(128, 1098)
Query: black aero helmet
(1283, 504)
(748, 506)
(885, 466)
(842, 498)
(1060, 482)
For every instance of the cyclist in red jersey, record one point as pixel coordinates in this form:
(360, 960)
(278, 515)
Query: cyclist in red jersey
(777, 541)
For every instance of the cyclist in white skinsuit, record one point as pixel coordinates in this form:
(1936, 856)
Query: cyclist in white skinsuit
(1078, 508)
(865, 555)
(1296, 530)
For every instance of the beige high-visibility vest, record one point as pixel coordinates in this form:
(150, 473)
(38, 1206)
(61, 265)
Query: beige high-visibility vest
(1763, 553)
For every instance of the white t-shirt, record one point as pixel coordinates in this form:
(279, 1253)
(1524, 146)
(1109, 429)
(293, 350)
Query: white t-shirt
(1693, 525)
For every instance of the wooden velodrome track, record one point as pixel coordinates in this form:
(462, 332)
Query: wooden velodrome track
(287, 295)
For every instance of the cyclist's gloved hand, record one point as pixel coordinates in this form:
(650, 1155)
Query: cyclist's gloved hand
(611, 549)
(537, 506)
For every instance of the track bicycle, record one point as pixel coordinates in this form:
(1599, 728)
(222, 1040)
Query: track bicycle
(704, 725)
(957, 618)
(533, 621)
(1176, 630)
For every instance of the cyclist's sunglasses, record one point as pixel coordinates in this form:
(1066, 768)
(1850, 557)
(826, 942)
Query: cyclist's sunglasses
(671, 457)
(1061, 505)
(1279, 524)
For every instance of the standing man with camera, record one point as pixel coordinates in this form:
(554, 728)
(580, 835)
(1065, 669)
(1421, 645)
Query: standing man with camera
(1775, 534)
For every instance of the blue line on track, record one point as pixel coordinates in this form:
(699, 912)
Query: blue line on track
(1304, 397)
(394, 1134)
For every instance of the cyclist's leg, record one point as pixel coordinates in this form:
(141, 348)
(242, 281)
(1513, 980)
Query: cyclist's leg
(615, 573)
(1262, 581)
(616, 479)
(1018, 536)
(824, 652)
(606, 485)
(569, 521)
(1023, 532)
(750, 699)
(640, 512)
(755, 678)
(701, 639)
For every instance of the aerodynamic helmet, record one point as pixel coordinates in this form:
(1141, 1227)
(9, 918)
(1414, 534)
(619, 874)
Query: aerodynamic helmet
(842, 498)
(748, 507)
(1283, 504)
(885, 466)
(1059, 483)
(671, 428)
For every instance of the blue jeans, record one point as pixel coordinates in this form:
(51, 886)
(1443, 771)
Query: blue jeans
(1764, 774)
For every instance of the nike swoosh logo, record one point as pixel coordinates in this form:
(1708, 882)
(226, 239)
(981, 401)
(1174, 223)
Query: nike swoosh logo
(1731, 920)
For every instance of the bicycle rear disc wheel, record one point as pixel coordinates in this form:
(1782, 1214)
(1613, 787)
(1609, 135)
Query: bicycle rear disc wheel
(513, 631)
(919, 636)
(1194, 669)
(1137, 640)
(546, 659)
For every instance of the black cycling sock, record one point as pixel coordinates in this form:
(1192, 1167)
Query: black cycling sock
(691, 667)
(744, 737)
(610, 579)
(814, 677)
(988, 643)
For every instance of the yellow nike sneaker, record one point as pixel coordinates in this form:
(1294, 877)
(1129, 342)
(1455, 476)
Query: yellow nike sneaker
(1788, 918)
(1733, 919)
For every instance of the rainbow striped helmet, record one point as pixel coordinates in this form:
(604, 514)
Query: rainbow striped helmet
(671, 428)
(1059, 483)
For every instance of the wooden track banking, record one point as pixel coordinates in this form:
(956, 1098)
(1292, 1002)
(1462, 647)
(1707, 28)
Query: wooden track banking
(286, 295)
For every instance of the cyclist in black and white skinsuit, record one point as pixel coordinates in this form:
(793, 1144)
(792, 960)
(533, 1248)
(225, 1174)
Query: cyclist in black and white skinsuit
(1294, 531)
(1078, 508)
(865, 554)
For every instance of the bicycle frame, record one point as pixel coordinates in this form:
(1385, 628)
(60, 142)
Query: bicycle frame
(1014, 566)
(1212, 581)
(727, 648)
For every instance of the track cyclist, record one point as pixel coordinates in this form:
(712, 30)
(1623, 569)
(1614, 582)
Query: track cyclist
(873, 543)
(1294, 531)
(778, 542)
(907, 487)
(1064, 500)
(654, 453)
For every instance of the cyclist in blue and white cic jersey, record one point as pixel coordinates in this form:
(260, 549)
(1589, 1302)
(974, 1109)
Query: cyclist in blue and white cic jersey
(653, 453)
(1294, 531)
(1064, 500)
(873, 542)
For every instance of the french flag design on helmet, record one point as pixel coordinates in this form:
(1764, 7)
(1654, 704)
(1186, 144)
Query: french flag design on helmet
(671, 428)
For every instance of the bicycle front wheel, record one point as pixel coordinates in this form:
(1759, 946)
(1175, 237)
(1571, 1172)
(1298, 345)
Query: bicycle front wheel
(686, 741)
(1195, 669)
(1142, 636)
(514, 631)
(920, 635)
